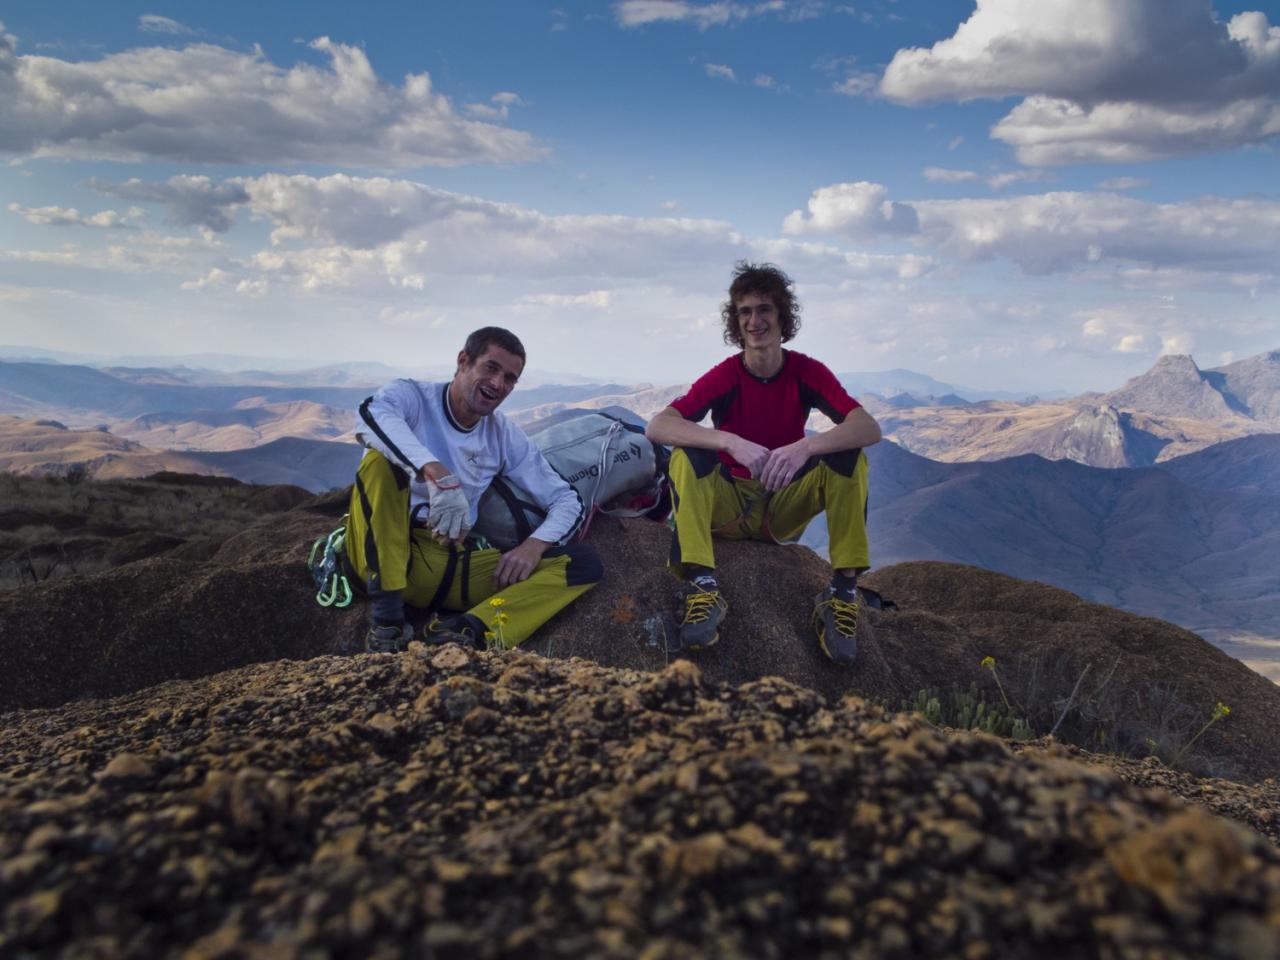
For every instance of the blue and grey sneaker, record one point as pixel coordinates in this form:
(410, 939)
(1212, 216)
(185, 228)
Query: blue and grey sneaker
(835, 620)
(704, 609)
(388, 637)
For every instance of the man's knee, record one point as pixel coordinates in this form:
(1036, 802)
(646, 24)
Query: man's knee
(703, 462)
(376, 469)
(584, 567)
(843, 462)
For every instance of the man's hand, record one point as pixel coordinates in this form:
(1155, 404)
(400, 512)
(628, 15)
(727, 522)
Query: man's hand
(750, 455)
(781, 465)
(448, 509)
(516, 564)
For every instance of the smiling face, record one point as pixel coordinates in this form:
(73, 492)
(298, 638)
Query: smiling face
(758, 322)
(480, 385)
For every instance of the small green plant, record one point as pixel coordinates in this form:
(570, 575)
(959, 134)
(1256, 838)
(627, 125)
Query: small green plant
(1220, 712)
(990, 664)
(969, 710)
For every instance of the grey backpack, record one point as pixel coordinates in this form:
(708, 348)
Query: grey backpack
(612, 465)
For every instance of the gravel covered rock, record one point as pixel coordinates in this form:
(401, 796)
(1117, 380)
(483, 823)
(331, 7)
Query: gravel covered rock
(445, 802)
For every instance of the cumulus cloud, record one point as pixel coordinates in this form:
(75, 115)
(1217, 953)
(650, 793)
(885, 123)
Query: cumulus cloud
(208, 104)
(1050, 232)
(154, 23)
(70, 216)
(345, 232)
(1105, 81)
(720, 71)
(860, 210)
(188, 200)
(637, 13)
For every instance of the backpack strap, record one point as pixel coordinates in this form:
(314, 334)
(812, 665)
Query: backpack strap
(517, 508)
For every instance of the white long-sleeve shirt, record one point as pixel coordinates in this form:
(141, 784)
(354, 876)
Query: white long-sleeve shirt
(409, 422)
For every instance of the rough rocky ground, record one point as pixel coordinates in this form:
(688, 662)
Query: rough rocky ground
(452, 803)
(249, 600)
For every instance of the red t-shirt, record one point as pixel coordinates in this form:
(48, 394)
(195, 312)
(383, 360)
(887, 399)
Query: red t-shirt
(771, 412)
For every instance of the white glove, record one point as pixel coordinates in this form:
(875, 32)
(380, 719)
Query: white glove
(448, 509)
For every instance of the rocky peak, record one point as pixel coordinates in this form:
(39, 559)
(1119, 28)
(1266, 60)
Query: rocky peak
(1252, 385)
(1173, 387)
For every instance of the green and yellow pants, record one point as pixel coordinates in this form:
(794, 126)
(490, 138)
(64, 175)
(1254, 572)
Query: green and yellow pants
(388, 553)
(709, 501)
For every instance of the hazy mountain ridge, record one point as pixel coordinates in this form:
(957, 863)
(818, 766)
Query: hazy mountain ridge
(1144, 540)
(1172, 409)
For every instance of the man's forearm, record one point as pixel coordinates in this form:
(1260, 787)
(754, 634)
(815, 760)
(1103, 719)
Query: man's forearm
(859, 429)
(673, 430)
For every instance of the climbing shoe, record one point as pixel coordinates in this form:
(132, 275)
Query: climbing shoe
(388, 637)
(835, 619)
(704, 608)
(465, 628)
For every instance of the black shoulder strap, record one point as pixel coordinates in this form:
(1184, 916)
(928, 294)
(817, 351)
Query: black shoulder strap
(517, 508)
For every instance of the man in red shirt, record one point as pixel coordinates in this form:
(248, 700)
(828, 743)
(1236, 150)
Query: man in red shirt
(754, 473)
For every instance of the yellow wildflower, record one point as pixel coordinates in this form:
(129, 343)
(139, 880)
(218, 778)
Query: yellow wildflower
(496, 601)
(989, 662)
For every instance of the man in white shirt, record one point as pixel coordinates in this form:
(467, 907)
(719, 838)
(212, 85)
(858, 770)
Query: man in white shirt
(434, 448)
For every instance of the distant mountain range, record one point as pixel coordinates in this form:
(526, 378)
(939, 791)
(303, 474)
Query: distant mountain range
(892, 383)
(1195, 540)
(1173, 409)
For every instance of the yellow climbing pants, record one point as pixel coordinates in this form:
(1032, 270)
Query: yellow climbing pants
(388, 553)
(709, 501)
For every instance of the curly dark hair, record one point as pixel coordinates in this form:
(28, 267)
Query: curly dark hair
(764, 280)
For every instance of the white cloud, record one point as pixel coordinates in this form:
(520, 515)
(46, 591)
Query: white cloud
(857, 84)
(720, 71)
(954, 142)
(764, 80)
(116, 258)
(1045, 233)
(636, 13)
(999, 181)
(189, 200)
(1123, 183)
(859, 209)
(1132, 343)
(498, 109)
(1106, 81)
(347, 233)
(154, 23)
(208, 104)
(70, 216)
(1176, 342)
(598, 299)
(943, 175)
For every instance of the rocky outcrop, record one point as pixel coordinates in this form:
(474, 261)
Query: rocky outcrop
(1174, 387)
(252, 601)
(451, 803)
(1253, 386)
(1103, 436)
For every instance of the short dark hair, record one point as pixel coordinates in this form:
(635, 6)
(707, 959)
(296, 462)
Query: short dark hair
(482, 339)
(764, 280)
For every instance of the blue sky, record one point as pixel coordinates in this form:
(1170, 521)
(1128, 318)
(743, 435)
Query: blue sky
(1011, 194)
